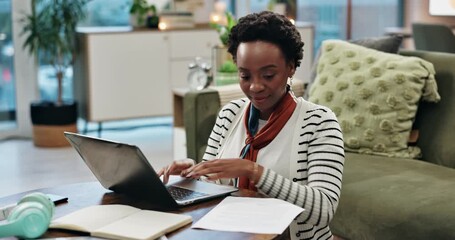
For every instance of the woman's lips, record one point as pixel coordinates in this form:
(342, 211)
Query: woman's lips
(259, 99)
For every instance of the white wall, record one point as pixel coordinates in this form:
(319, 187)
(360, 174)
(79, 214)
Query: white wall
(25, 72)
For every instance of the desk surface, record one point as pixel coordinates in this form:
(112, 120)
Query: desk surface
(82, 195)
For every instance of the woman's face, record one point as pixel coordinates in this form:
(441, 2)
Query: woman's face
(263, 73)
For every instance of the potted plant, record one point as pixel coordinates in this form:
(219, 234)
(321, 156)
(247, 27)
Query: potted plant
(220, 54)
(227, 74)
(50, 32)
(285, 7)
(225, 29)
(142, 14)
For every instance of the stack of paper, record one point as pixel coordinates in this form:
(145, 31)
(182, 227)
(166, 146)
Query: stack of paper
(251, 215)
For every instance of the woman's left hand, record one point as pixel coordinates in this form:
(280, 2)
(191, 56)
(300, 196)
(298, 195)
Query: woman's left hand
(221, 168)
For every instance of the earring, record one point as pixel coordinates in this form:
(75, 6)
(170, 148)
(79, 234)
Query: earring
(290, 85)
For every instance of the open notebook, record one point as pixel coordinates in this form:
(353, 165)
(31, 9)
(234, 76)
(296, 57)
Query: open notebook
(121, 222)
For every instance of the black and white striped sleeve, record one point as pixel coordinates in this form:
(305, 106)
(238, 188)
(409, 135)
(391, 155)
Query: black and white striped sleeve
(320, 167)
(222, 123)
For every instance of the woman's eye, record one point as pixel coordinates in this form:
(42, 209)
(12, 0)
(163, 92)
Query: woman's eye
(269, 76)
(244, 77)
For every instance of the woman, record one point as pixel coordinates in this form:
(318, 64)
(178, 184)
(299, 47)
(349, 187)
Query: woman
(283, 146)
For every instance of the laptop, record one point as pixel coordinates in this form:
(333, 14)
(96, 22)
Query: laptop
(124, 169)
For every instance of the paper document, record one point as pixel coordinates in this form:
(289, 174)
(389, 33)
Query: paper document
(251, 215)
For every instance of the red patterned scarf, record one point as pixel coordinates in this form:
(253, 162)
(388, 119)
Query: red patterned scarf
(254, 142)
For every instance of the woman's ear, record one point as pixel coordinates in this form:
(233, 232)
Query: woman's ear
(291, 69)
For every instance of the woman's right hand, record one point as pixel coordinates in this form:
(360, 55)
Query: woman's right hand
(175, 168)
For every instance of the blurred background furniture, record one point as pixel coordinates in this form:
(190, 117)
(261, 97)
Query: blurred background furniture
(129, 73)
(433, 37)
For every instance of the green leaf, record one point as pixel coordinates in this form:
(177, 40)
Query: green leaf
(228, 66)
(222, 30)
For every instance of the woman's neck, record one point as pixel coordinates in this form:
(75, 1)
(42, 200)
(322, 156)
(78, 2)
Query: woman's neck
(266, 115)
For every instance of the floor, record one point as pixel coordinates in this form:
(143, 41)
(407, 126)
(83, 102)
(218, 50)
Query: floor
(24, 167)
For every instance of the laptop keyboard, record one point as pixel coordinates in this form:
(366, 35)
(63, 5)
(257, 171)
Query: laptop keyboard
(183, 194)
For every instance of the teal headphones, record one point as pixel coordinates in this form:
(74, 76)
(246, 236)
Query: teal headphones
(30, 218)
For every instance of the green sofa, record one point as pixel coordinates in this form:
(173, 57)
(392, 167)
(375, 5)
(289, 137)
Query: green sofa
(382, 197)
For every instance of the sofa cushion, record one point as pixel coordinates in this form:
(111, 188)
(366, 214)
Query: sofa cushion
(394, 198)
(388, 44)
(374, 95)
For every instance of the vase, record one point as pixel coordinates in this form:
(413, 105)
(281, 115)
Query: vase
(137, 22)
(153, 21)
(279, 8)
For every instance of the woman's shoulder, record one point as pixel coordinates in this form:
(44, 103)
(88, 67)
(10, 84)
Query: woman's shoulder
(313, 108)
(234, 106)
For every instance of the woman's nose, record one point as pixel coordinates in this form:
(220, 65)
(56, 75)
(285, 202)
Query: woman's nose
(256, 85)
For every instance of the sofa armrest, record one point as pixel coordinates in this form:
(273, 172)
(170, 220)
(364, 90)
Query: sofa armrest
(435, 120)
(200, 109)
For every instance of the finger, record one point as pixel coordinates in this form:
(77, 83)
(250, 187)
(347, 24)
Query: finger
(166, 175)
(214, 176)
(171, 169)
(178, 166)
(186, 171)
(206, 171)
(161, 172)
(189, 162)
(223, 169)
(189, 172)
(175, 168)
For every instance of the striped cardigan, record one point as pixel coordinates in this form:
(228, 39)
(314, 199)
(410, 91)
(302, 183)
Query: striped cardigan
(317, 160)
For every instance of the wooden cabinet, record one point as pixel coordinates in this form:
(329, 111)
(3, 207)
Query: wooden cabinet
(186, 45)
(121, 73)
(130, 74)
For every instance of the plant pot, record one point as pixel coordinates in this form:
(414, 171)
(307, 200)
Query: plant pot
(50, 121)
(226, 78)
(137, 22)
(153, 21)
(279, 8)
(219, 56)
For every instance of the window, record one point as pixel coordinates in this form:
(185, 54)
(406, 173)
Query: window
(369, 18)
(7, 78)
(99, 13)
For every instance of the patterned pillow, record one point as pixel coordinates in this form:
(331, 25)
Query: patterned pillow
(388, 44)
(374, 95)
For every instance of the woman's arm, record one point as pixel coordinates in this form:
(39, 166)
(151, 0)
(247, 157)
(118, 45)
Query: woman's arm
(321, 157)
(225, 117)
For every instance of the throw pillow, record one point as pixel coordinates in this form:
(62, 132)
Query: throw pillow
(388, 44)
(374, 95)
